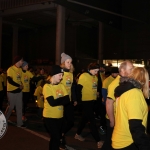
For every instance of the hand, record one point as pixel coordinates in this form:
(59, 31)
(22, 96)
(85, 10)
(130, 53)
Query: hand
(21, 86)
(97, 94)
(112, 124)
(75, 103)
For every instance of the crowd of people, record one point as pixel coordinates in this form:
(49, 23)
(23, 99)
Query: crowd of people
(117, 97)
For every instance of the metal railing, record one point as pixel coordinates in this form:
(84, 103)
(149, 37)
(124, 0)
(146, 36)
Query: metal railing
(9, 4)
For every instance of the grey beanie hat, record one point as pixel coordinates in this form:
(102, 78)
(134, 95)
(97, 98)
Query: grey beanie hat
(24, 64)
(64, 57)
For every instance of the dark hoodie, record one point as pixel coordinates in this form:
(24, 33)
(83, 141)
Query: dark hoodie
(136, 128)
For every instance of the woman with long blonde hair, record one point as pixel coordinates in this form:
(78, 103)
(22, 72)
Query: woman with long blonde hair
(131, 112)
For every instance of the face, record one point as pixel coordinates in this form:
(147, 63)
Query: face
(25, 67)
(42, 71)
(102, 69)
(115, 75)
(94, 71)
(128, 70)
(20, 62)
(58, 77)
(68, 64)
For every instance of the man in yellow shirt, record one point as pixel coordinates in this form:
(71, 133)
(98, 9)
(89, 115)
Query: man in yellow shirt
(124, 70)
(14, 90)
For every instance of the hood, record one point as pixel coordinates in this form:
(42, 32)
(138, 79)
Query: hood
(125, 85)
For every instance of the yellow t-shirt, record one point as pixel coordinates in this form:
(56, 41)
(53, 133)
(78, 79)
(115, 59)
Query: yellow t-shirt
(111, 89)
(4, 75)
(25, 79)
(56, 91)
(67, 82)
(1, 85)
(130, 105)
(15, 73)
(107, 82)
(89, 83)
(102, 75)
(40, 98)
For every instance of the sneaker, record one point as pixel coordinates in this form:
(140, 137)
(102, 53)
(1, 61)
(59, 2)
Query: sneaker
(22, 126)
(62, 143)
(101, 130)
(79, 137)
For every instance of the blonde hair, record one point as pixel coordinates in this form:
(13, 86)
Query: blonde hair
(141, 75)
(71, 69)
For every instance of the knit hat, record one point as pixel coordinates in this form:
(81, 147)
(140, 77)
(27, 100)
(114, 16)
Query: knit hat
(92, 66)
(17, 58)
(114, 70)
(56, 70)
(24, 64)
(64, 57)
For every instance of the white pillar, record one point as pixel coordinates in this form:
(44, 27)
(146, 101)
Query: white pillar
(100, 43)
(0, 41)
(15, 42)
(60, 33)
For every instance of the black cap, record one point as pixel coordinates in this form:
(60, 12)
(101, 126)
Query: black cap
(56, 69)
(114, 70)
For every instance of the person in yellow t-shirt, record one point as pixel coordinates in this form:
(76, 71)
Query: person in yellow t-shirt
(87, 93)
(131, 112)
(14, 90)
(114, 73)
(124, 70)
(38, 95)
(107, 82)
(55, 97)
(26, 78)
(67, 80)
(43, 74)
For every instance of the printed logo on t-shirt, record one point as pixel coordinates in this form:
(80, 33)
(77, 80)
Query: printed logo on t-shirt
(94, 84)
(26, 79)
(94, 87)
(18, 76)
(68, 81)
(59, 93)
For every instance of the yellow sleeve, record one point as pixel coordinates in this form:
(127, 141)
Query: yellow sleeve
(47, 91)
(82, 79)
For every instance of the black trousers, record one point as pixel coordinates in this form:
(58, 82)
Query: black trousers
(109, 131)
(130, 147)
(54, 126)
(88, 116)
(26, 96)
(68, 121)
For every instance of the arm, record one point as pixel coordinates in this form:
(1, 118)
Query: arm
(12, 82)
(79, 94)
(110, 111)
(59, 101)
(138, 134)
(73, 93)
(104, 94)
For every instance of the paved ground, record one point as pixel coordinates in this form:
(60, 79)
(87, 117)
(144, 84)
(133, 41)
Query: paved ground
(35, 136)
